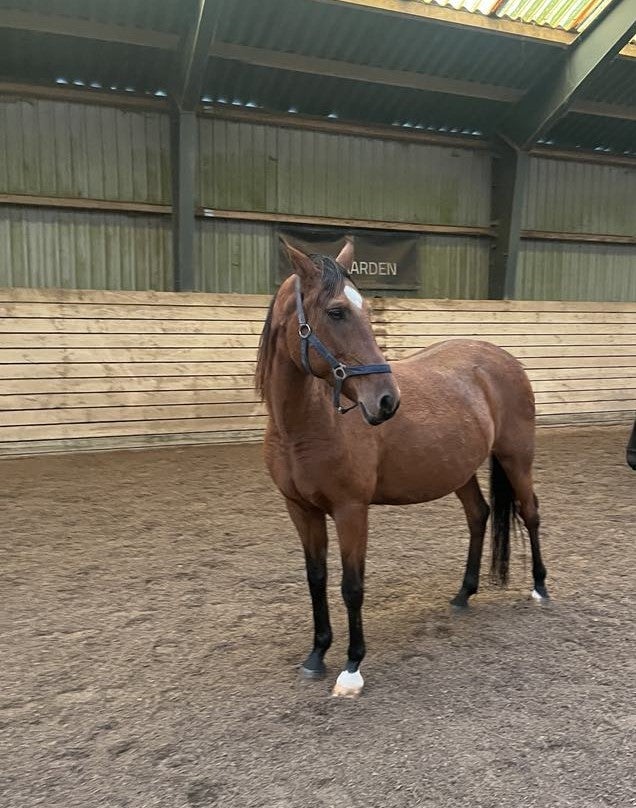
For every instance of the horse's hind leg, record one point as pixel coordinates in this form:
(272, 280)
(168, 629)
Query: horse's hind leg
(477, 511)
(519, 475)
(312, 529)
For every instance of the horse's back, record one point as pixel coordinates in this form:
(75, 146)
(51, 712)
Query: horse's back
(470, 362)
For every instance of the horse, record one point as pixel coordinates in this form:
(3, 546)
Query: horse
(630, 451)
(426, 425)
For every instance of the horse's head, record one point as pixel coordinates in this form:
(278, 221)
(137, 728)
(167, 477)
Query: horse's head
(329, 334)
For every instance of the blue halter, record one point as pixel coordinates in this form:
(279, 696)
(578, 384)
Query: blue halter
(340, 371)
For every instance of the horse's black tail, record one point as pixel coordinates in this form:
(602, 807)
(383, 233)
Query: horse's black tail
(504, 512)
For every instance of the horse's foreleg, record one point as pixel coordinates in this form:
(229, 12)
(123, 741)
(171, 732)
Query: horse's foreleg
(312, 529)
(477, 511)
(352, 525)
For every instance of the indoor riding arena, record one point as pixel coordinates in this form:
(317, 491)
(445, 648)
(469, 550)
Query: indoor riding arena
(166, 166)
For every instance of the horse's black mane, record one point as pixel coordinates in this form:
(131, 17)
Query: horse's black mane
(333, 278)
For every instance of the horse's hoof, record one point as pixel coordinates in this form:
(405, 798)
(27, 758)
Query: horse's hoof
(540, 595)
(313, 673)
(348, 685)
(313, 667)
(459, 603)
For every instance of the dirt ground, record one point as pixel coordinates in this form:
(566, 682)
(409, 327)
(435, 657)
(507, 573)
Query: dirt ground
(153, 612)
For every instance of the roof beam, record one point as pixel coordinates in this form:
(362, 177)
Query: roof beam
(194, 53)
(549, 99)
(356, 72)
(87, 29)
(332, 68)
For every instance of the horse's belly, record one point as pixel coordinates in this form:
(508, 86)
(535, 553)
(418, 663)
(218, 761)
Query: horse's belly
(429, 464)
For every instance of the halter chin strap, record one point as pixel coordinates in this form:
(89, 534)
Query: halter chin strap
(340, 370)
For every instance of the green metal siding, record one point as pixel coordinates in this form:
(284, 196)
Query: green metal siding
(564, 196)
(251, 167)
(551, 270)
(235, 257)
(453, 267)
(50, 148)
(76, 250)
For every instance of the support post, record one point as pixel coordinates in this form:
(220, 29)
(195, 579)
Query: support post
(510, 173)
(183, 136)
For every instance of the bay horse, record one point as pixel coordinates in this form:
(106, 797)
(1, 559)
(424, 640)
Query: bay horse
(427, 424)
(630, 451)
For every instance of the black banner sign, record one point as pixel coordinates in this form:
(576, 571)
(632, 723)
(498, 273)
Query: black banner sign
(381, 260)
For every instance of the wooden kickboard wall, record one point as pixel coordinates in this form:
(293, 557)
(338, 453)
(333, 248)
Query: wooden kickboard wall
(89, 370)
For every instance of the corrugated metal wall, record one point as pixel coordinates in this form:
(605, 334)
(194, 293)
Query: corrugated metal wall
(553, 270)
(235, 257)
(453, 266)
(280, 170)
(51, 148)
(59, 149)
(564, 196)
(580, 198)
(42, 247)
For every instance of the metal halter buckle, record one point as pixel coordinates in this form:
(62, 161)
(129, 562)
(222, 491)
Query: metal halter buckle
(304, 331)
(340, 372)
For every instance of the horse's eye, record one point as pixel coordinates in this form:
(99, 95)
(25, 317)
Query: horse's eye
(336, 314)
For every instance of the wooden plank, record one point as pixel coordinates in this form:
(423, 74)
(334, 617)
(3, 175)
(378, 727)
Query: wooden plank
(599, 386)
(123, 355)
(585, 406)
(422, 304)
(204, 299)
(149, 298)
(89, 325)
(586, 419)
(132, 342)
(429, 316)
(128, 442)
(82, 203)
(599, 395)
(330, 221)
(602, 373)
(573, 352)
(153, 398)
(514, 341)
(489, 331)
(124, 384)
(125, 369)
(96, 311)
(88, 415)
(593, 238)
(10, 434)
(572, 363)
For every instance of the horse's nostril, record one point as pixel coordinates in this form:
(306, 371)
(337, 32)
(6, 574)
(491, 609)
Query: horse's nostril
(387, 404)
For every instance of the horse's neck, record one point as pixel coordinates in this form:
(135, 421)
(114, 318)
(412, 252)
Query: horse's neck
(297, 407)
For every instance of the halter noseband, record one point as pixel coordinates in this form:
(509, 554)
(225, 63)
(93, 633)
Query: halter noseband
(339, 369)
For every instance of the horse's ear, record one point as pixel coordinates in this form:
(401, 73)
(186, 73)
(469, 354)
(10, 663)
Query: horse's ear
(345, 257)
(301, 264)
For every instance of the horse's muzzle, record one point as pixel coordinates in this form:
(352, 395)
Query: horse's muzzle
(387, 407)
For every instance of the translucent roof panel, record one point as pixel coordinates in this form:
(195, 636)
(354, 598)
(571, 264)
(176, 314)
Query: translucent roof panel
(569, 15)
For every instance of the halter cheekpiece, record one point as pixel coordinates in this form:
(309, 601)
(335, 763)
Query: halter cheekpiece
(339, 369)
